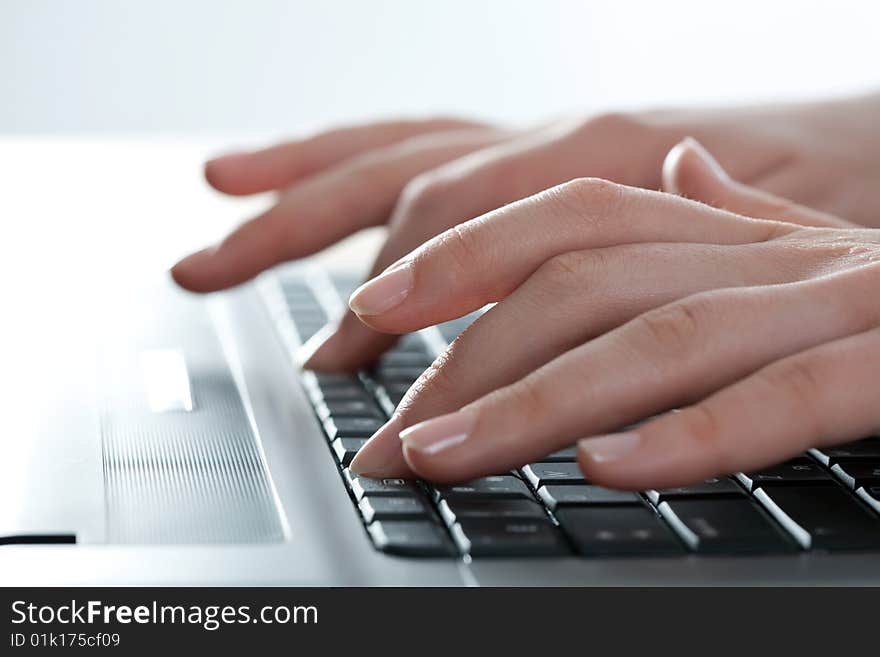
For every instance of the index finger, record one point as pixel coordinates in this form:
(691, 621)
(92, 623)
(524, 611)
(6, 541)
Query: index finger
(483, 260)
(252, 172)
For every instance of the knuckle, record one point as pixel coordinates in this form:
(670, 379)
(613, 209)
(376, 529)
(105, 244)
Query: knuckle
(459, 243)
(677, 326)
(530, 399)
(437, 382)
(591, 199)
(798, 379)
(565, 272)
(706, 429)
(610, 124)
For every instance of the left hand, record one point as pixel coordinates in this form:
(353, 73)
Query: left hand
(615, 304)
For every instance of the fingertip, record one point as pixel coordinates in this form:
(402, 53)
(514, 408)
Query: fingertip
(607, 460)
(670, 169)
(383, 293)
(690, 170)
(344, 346)
(188, 272)
(318, 353)
(227, 173)
(382, 455)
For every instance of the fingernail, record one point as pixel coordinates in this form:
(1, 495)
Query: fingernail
(614, 446)
(314, 351)
(706, 158)
(673, 163)
(381, 455)
(439, 433)
(383, 292)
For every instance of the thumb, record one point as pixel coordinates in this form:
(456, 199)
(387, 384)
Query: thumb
(689, 170)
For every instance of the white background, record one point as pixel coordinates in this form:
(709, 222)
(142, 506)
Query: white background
(262, 68)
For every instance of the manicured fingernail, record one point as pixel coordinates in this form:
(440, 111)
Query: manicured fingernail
(673, 163)
(439, 433)
(383, 292)
(614, 446)
(381, 455)
(706, 158)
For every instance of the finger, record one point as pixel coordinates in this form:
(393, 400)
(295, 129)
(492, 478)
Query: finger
(280, 165)
(488, 179)
(663, 359)
(322, 210)
(691, 171)
(569, 300)
(483, 260)
(820, 396)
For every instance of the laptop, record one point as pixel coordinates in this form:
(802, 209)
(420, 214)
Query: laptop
(192, 450)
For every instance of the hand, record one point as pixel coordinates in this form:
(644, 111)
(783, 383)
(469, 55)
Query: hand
(424, 177)
(615, 304)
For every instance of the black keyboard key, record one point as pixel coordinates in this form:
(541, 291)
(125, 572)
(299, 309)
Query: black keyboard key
(617, 530)
(796, 471)
(556, 496)
(724, 525)
(366, 486)
(335, 380)
(709, 487)
(856, 474)
(496, 487)
(352, 427)
(346, 448)
(344, 393)
(869, 448)
(411, 343)
(509, 538)
(569, 454)
(405, 359)
(413, 538)
(394, 508)
(391, 375)
(396, 392)
(543, 474)
(457, 509)
(348, 408)
(825, 517)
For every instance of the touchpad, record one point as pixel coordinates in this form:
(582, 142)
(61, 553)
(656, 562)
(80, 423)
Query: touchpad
(181, 460)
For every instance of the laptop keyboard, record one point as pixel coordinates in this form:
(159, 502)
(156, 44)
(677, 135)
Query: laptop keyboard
(827, 499)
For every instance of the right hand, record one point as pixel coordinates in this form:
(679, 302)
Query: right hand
(425, 177)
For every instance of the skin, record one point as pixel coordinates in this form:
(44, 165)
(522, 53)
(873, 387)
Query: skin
(614, 303)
